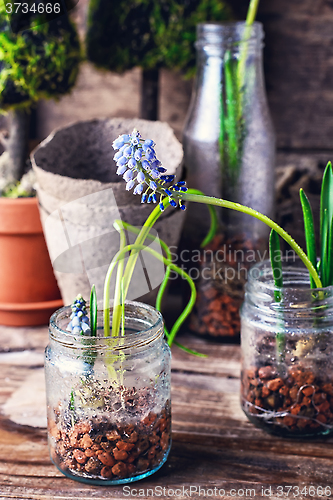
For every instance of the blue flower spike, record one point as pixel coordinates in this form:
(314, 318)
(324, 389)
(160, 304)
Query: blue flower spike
(79, 323)
(137, 163)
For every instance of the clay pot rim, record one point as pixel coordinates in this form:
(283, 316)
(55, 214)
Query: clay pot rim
(26, 200)
(31, 306)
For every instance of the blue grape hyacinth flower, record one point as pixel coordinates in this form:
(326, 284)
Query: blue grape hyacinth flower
(140, 168)
(79, 323)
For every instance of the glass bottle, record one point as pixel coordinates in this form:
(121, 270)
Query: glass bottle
(229, 147)
(287, 349)
(108, 399)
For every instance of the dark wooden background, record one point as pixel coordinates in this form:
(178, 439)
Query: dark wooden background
(298, 60)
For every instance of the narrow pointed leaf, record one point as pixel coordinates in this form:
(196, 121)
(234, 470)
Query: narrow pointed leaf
(324, 248)
(330, 256)
(275, 256)
(309, 231)
(326, 216)
(93, 311)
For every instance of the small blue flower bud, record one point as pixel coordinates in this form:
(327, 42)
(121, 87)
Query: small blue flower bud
(128, 176)
(184, 189)
(75, 321)
(135, 138)
(182, 206)
(138, 189)
(121, 170)
(118, 143)
(155, 174)
(145, 164)
(154, 198)
(117, 155)
(181, 183)
(144, 198)
(130, 185)
(149, 143)
(153, 185)
(76, 330)
(161, 207)
(126, 137)
(140, 177)
(121, 161)
(168, 192)
(150, 154)
(156, 164)
(138, 154)
(132, 163)
(176, 188)
(127, 152)
(162, 170)
(172, 202)
(150, 199)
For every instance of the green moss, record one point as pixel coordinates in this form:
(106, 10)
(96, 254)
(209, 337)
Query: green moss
(41, 62)
(123, 34)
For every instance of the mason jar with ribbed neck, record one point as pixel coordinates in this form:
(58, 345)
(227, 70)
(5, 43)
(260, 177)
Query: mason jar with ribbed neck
(287, 352)
(229, 147)
(108, 398)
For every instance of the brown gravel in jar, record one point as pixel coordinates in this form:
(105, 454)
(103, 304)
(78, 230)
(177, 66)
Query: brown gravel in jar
(223, 267)
(108, 451)
(296, 404)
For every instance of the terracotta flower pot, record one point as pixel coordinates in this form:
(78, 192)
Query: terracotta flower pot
(28, 291)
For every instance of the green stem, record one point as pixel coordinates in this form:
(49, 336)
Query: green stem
(252, 12)
(250, 18)
(269, 222)
(213, 219)
(139, 241)
(117, 309)
(120, 255)
(164, 283)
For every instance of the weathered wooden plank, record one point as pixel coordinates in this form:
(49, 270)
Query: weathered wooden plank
(299, 71)
(214, 446)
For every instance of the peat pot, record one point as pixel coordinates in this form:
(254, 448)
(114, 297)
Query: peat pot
(81, 196)
(287, 352)
(108, 398)
(29, 293)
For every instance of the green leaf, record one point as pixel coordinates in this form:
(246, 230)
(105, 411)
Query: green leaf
(324, 247)
(309, 231)
(326, 216)
(231, 120)
(275, 256)
(93, 311)
(330, 256)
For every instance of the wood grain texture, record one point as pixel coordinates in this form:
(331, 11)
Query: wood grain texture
(214, 446)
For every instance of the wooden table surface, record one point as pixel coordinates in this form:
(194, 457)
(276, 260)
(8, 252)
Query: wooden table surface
(214, 447)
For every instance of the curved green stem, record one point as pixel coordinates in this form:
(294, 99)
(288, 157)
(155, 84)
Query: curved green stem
(168, 255)
(117, 309)
(120, 255)
(139, 241)
(213, 219)
(269, 222)
(164, 283)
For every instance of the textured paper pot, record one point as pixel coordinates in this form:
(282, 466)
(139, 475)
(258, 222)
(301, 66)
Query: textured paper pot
(80, 196)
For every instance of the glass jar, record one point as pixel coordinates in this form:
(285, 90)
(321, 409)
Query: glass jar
(229, 148)
(287, 352)
(108, 398)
